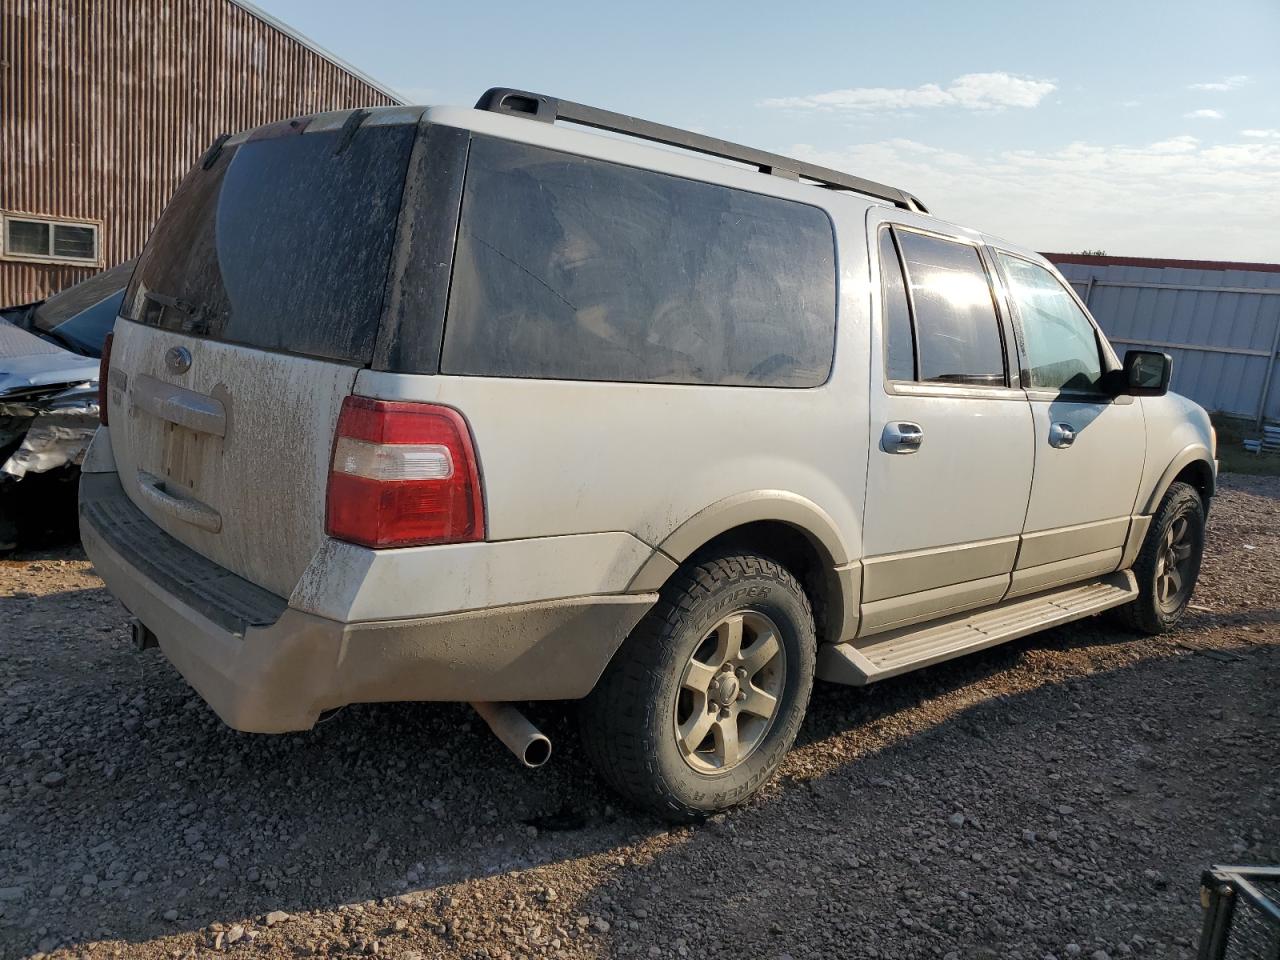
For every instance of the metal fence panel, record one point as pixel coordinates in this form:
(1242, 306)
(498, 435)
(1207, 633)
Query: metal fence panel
(1221, 326)
(1242, 913)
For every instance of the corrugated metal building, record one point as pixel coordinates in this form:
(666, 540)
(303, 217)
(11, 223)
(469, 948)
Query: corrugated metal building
(1220, 321)
(104, 105)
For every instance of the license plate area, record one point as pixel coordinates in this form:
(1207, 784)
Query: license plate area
(185, 455)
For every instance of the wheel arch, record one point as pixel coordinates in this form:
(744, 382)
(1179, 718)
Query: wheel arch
(783, 526)
(1194, 465)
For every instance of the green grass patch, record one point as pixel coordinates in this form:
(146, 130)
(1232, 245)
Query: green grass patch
(1233, 457)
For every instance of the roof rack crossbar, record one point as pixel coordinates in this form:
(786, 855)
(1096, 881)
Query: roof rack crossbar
(535, 106)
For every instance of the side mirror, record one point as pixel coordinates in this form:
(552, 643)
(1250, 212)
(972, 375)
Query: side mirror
(1146, 373)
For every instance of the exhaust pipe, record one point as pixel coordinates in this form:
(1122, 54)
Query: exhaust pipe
(527, 742)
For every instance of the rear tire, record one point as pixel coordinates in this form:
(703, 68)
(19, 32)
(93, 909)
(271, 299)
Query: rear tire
(1169, 563)
(703, 700)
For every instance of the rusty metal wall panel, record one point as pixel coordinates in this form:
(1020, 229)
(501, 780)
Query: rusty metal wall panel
(104, 104)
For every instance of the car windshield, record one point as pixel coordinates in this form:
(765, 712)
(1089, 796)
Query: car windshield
(80, 317)
(85, 331)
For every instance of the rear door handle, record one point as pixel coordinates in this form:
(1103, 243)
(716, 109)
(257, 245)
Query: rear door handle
(901, 436)
(1061, 435)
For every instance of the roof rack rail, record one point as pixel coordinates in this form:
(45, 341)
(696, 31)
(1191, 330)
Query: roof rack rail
(535, 106)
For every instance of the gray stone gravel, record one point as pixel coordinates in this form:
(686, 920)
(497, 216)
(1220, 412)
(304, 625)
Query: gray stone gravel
(1053, 798)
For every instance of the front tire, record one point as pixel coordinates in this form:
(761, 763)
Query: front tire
(1169, 563)
(705, 697)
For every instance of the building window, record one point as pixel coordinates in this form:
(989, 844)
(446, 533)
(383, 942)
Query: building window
(39, 238)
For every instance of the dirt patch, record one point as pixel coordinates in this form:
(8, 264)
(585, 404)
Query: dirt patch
(1053, 797)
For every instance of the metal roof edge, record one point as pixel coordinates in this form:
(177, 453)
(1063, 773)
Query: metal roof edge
(278, 24)
(1157, 263)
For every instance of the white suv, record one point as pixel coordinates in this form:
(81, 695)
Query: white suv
(451, 404)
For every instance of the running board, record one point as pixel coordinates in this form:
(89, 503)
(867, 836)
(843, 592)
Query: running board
(898, 651)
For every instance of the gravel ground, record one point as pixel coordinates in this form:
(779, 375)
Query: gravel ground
(1055, 797)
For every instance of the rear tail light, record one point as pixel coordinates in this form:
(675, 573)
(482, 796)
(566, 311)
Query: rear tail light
(403, 474)
(103, 366)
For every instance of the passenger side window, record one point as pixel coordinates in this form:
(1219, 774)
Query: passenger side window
(1061, 346)
(957, 330)
(900, 349)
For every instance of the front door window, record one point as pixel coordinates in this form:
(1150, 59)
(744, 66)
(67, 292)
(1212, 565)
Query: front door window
(1061, 345)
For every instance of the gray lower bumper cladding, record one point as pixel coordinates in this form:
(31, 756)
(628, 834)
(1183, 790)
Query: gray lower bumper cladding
(271, 677)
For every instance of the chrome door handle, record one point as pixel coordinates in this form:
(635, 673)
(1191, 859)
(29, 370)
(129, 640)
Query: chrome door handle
(1061, 435)
(901, 437)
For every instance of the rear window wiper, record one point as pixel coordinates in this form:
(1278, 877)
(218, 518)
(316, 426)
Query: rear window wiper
(195, 321)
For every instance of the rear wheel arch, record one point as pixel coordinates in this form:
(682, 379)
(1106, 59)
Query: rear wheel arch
(788, 529)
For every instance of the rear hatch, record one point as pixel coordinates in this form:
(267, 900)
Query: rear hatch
(255, 303)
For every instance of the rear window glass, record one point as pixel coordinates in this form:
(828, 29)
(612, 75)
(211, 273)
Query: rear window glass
(283, 244)
(570, 268)
(957, 331)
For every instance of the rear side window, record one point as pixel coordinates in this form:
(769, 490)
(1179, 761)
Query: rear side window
(899, 342)
(283, 244)
(957, 329)
(578, 269)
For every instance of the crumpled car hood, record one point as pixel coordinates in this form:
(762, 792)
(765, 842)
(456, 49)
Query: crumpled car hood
(48, 402)
(28, 361)
(58, 430)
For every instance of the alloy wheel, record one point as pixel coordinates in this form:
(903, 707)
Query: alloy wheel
(729, 692)
(1174, 560)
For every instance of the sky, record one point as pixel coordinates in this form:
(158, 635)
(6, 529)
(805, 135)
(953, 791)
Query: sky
(1138, 128)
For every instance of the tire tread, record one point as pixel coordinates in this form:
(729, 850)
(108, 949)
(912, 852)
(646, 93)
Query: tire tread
(1142, 614)
(620, 702)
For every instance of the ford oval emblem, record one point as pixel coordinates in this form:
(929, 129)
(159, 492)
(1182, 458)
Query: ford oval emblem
(178, 359)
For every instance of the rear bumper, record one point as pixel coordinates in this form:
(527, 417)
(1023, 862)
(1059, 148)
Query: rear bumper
(266, 667)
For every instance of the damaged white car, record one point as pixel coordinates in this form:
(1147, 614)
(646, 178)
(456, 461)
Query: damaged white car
(49, 402)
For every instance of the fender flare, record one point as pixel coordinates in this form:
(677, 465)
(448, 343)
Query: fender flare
(751, 507)
(843, 574)
(1188, 455)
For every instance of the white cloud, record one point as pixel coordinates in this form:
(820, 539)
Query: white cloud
(1261, 134)
(1204, 115)
(1182, 144)
(973, 91)
(1226, 83)
(1177, 197)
